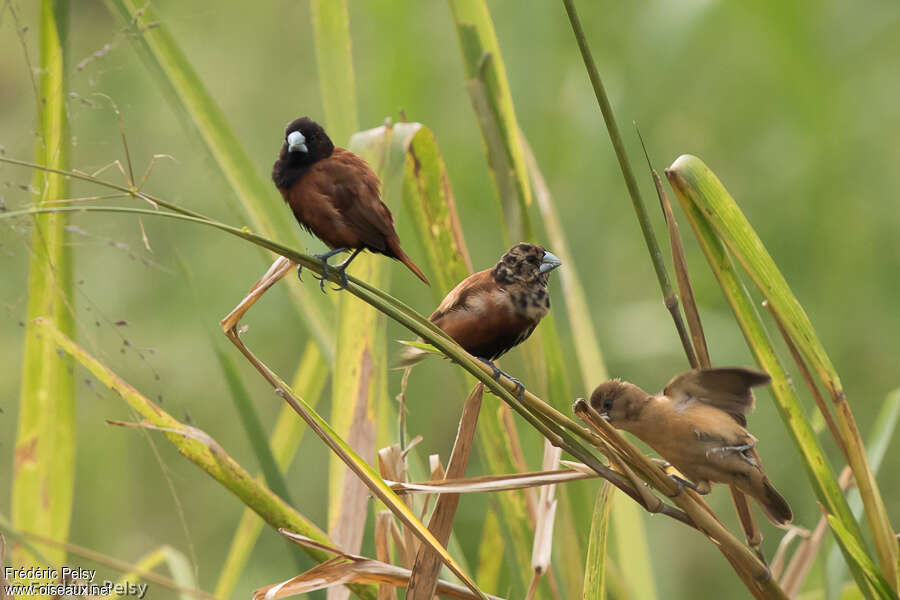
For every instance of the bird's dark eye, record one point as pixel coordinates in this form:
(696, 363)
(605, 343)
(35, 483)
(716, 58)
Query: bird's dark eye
(607, 404)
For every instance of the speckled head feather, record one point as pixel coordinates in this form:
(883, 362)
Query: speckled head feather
(523, 271)
(295, 159)
(521, 264)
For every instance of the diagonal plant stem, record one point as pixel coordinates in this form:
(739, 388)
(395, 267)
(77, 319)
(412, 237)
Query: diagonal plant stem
(555, 426)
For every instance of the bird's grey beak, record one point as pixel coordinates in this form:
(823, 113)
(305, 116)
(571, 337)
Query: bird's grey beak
(549, 262)
(296, 142)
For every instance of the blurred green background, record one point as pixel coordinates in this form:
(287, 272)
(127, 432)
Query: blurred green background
(796, 106)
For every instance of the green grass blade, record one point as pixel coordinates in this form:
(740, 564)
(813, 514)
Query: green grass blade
(595, 561)
(178, 564)
(493, 104)
(730, 224)
(309, 381)
(331, 28)
(263, 206)
(792, 414)
(45, 439)
(879, 440)
(851, 546)
(200, 449)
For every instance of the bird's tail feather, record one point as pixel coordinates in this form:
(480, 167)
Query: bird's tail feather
(774, 505)
(406, 260)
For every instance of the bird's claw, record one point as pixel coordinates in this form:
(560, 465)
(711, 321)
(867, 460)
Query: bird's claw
(497, 372)
(682, 483)
(299, 271)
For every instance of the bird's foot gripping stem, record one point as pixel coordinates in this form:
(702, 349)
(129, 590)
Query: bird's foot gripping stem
(497, 372)
(339, 268)
(702, 488)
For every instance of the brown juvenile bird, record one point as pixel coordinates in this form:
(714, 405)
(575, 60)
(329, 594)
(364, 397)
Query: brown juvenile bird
(697, 424)
(491, 311)
(334, 195)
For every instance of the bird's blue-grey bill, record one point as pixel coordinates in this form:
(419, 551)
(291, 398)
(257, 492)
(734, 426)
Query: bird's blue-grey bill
(296, 142)
(549, 262)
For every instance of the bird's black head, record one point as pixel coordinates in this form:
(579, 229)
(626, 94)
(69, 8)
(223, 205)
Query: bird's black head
(525, 263)
(305, 142)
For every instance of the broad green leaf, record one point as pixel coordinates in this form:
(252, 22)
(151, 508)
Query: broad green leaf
(852, 547)
(725, 217)
(879, 440)
(792, 414)
(194, 104)
(428, 199)
(44, 466)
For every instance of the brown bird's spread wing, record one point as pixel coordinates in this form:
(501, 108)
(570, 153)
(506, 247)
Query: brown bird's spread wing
(475, 313)
(352, 187)
(726, 388)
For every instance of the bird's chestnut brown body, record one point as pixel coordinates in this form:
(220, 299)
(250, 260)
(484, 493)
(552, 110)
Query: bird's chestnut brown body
(698, 424)
(494, 310)
(335, 195)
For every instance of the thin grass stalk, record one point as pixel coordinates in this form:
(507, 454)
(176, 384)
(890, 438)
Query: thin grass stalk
(696, 348)
(202, 450)
(45, 436)
(309, 381)
(669, 298)
(732, 226)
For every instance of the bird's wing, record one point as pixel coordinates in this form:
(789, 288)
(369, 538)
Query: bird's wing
(457, 298)
(475, 315)
(726, 388)
(355, 194)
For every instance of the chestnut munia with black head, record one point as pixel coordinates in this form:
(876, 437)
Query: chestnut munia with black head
(494, 310)
(698, 424)
(335, 196)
